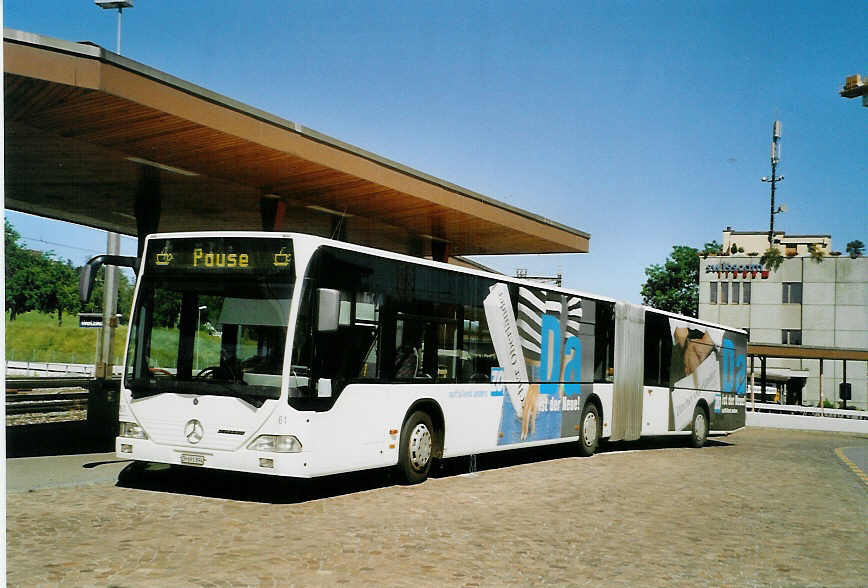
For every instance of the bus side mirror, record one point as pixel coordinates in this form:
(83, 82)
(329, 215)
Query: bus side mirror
(328, 310)
(90, 269)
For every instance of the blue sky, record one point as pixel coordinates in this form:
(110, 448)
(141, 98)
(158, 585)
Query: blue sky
(646, 124)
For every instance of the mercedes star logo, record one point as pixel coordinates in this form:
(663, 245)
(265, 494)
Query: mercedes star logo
(194, 431)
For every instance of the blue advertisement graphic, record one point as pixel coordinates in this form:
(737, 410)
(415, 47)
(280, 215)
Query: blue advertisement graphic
(546, 425)
(536, 339)
(732, 368)
(554, 390)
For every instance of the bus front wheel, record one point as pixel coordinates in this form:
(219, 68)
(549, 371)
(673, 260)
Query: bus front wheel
(416, 450)
(699, 429)
(589, 435)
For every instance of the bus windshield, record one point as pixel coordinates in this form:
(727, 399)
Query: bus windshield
(211, 318)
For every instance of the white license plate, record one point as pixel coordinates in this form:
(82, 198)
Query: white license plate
(192, 459)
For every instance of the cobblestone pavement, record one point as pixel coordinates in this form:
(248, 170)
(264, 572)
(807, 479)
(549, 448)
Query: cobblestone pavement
(759, 508)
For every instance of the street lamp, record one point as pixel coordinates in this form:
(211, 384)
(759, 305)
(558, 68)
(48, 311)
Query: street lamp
(198, 335)
(113, 243)
(120, 5)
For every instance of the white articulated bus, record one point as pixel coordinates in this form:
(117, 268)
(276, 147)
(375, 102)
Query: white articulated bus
(295, 355)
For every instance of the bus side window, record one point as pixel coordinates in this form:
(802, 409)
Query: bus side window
(658, 350)
(477, 350)
(409, 349)
(604, 342)
(366, 314)
(447, 351)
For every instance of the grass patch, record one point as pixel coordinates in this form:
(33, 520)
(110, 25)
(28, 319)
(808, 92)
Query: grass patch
(35, 336)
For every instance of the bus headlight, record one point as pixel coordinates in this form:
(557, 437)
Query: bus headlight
(276, 444)
(132, 430)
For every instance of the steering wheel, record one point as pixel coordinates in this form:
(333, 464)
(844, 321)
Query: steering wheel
(208, 372)
(218, 371)
(160, 371)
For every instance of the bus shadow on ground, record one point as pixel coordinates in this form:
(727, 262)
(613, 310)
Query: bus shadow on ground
(277, 490)
(248, 487)
(63, 438)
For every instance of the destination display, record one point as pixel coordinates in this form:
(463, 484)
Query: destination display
(220, 255)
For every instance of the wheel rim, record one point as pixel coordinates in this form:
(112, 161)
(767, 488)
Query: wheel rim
(589, 429)
(420, 447)
(699, 426)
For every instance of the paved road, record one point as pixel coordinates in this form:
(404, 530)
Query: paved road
(62, 471)
(761, 508)
(856, 459)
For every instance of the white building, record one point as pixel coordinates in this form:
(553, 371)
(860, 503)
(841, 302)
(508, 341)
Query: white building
(817, 301)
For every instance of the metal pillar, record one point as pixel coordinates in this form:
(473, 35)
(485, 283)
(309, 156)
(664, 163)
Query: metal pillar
(762, 379)
(271, 210)
(752, 397)
(845, 381)
(105, 361)
(415, 246)
(440, 251)
(821, 386)
(148, 206)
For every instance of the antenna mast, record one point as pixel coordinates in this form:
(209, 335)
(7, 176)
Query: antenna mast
(775, 157)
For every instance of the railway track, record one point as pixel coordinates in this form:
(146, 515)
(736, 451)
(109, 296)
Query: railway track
(17, 404)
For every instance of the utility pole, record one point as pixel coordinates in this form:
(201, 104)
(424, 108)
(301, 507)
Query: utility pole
(775, 157)
(105, 360)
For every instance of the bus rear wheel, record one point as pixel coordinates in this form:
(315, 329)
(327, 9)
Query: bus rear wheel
(417, 447)
(699, 428)
(589, 433)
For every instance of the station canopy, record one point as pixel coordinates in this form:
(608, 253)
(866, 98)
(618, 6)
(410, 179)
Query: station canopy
(98, 139)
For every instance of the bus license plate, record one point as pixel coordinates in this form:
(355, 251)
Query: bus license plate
(192, 459)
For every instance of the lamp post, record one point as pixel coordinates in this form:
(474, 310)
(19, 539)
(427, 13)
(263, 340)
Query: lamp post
(113, 247)
(198, 336)
(111, 5)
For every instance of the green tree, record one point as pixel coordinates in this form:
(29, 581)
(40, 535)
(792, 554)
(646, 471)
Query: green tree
(674, 285)
(36, 280)
(125, 293)
(25, 275)
(854, 248)
(62, 291)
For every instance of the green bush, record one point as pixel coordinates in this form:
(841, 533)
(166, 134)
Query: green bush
(772, 258)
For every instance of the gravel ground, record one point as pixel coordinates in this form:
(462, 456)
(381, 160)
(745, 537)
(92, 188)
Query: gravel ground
(763, 507)
(47, 417)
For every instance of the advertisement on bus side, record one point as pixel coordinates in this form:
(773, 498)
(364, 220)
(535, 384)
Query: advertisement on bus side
(545, 350)
(540, 353)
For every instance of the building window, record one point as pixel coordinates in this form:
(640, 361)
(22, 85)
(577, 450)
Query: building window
(791, 336)
(745, 293)
(712, 293)
(724, 292)
(735, 292)
(792, 293)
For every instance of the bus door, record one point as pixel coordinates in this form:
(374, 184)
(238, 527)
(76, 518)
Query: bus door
(426, 348)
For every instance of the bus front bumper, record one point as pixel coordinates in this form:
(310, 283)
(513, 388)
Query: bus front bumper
(240, 460)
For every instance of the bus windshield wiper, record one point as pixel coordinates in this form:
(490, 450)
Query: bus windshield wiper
(255, 395)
